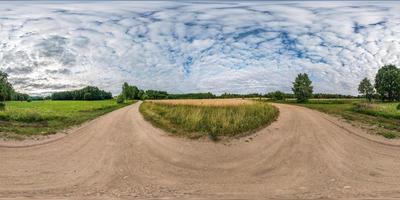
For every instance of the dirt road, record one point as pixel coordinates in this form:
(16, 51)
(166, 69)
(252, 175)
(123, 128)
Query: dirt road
(305, 154)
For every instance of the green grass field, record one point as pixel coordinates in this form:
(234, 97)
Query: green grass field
(22, 119)
(381, 118)
(195, 121)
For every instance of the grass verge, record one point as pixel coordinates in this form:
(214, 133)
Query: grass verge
(195, 121)
(380, 118)
(24, 119)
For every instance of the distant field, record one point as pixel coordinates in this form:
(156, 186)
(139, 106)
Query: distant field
(381, 118)
(22, 119)
(204, 102)
(213, 118)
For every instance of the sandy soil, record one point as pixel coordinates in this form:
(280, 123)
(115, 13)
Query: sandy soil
(305, 154)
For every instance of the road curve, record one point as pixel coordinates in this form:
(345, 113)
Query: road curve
(304, 154)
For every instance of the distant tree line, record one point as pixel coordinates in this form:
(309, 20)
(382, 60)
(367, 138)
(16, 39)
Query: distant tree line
(87, 93)
(387, 85)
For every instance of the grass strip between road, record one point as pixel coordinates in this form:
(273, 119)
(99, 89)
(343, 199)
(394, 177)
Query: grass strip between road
(195, 121)
(379, 118)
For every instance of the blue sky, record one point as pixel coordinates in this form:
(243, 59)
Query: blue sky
(237, 47)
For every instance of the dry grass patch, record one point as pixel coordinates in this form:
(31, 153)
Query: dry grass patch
(225, 118)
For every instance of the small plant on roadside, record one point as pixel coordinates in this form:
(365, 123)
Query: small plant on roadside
(120, 99)
(389, 135)
(213, 136)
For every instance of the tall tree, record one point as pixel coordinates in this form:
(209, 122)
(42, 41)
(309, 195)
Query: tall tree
(302, 88)
(6, 89)
(126, 90)
(387, 82)
(365, 88)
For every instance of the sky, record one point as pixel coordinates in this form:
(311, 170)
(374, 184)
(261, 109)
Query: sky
(179, 47)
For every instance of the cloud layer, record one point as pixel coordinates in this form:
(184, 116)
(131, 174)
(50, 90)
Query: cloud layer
(191, 47)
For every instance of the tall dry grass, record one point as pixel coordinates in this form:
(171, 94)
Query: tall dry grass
(207, 118)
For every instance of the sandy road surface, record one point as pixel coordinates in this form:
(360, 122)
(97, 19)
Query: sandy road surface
(305, 154)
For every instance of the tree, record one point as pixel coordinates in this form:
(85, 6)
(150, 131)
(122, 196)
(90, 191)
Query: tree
(278, 95)
(6, 90)
(86, 93)
(302, 88)
(140, 94)
(365, 88)
(126, 91)
(387, 83)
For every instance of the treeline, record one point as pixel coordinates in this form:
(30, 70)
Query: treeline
(87, 93)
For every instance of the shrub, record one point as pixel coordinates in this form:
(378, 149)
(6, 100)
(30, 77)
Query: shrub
(29, 100)
(278, 95)
(2, 106)
(398, 106)
(120, 99)
(389, 135)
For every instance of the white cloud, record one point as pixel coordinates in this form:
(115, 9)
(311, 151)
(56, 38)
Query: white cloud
(191, 47)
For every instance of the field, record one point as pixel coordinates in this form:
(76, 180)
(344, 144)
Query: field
(204, 102)
(379, 118)
(24, 119)
(212, 118)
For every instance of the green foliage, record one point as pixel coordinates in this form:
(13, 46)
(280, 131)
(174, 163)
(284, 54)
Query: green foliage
(86, 93)
(207, 95)
(29, 100)
(302, 88)
(387, 82)
(120, 99)
(278, 95)
(387, 110)
(130, 92)
(156, 94)
(2, 106)
(365, 88)
(6, 89)
(48, 117)
(380, 117)
(212, 121)
(398, 106)
(232, 95)
(389, 135)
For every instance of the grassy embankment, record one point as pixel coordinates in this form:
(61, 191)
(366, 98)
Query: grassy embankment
(24, 119)
(380, 118)
(212, 118)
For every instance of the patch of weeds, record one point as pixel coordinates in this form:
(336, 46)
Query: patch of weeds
(389, 135)
(213, 136)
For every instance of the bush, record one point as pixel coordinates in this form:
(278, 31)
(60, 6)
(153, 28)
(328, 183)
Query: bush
(278, 95)
(389, 135)
(398, 106)
(2, 106)
(29, 100)
(120, 99)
